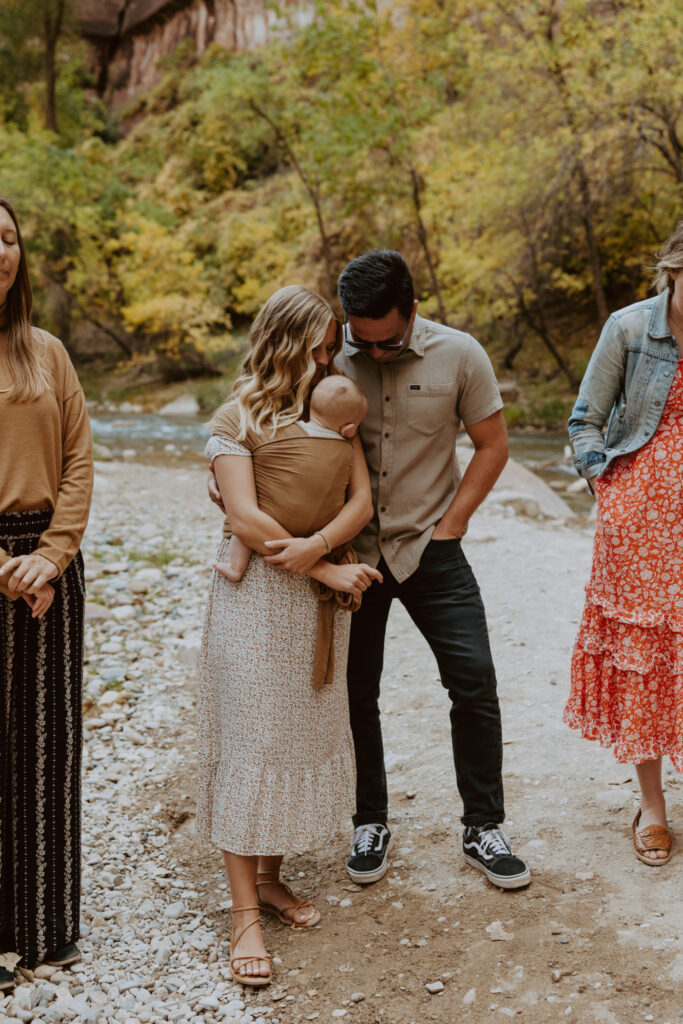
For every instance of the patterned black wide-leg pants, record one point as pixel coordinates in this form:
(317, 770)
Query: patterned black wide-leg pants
(41, 666)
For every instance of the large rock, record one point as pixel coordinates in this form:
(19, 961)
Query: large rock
(130, 38)
(101, 453)
(96, 612)
(523, 490)
(509, 391)
(185, 405)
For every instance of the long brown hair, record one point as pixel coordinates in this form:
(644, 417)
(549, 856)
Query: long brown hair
(273, 387)
(669, 258)
(25, 346)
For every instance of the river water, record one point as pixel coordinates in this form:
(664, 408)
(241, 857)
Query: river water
(150, 438)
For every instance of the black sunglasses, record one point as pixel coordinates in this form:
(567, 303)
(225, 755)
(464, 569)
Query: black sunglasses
(386, 346)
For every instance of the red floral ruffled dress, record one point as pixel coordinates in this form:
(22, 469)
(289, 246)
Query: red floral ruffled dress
(627, 665)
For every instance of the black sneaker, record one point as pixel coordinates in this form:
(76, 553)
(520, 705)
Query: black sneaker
(368, 860)
(6, 980)
(488, 849)
(64, 957)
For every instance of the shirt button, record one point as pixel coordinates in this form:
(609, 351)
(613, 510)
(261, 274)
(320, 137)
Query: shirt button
(384, 472)
(386, 435)
(383, 508)
(387, 398)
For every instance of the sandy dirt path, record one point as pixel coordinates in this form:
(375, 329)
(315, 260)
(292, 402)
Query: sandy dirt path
(595, 937)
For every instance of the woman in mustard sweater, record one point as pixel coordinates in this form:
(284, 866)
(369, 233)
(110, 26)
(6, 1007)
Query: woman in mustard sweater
(45, 489)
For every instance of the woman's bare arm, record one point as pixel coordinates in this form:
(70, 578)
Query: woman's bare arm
(235, 476)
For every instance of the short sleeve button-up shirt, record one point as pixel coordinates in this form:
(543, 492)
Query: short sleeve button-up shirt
(416, 405)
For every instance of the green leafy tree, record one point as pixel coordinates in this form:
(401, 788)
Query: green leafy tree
(31, 33)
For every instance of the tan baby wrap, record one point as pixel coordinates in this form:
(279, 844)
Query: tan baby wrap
(301, 481)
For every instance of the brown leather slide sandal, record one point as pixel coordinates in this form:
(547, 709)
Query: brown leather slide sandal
(654, 837)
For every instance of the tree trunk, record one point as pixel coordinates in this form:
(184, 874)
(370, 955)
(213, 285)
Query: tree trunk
(539, 323)
(586, 215)
(422, 235)
(313, 195)
(52, 27)
(514, 348)
(540, 326)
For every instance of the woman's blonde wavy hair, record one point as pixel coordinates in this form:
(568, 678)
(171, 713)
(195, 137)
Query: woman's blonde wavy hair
(669, 258)
(275, 380)
(25, 346)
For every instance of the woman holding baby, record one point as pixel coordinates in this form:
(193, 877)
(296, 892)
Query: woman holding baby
(275, 749)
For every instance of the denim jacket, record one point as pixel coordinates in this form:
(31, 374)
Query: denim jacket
(626, 385)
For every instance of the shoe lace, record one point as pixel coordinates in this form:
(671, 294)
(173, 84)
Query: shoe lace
(364, 837)
(495, 842)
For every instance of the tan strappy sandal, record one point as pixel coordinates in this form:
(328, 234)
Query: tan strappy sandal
(281, 915)
(255, 980)
(654, 837)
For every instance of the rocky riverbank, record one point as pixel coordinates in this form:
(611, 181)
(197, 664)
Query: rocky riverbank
(596, 937)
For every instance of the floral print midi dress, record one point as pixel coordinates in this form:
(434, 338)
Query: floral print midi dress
(627, 664)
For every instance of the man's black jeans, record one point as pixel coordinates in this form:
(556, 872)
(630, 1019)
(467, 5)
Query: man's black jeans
(443, 600)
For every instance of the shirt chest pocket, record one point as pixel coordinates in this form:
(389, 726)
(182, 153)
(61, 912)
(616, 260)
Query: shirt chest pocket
(430, 406)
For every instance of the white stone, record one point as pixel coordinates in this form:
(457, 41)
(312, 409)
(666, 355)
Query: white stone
(124, 612)
(147, 531)
(102, 484)
(578, 486)
(185, 405)
(208, 1003)
(434, 986)
(469, 997)
(96, 612)
(175, 910)
(147, 577)
(188, 651)
(22, 997)
(111, 697)
(522, 504)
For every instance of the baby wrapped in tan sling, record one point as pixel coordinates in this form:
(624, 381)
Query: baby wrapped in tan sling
(302, 472)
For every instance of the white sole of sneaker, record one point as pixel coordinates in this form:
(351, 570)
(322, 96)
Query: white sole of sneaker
(75, 959)
(509, 882)
(367, 877)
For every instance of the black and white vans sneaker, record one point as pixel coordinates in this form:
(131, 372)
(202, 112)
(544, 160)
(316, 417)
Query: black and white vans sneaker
(488, 849)
(6, 980)
(369, 857)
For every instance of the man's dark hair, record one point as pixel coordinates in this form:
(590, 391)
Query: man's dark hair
(373, 284)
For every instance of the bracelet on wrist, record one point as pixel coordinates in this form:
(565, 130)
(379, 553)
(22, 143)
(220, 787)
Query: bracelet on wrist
(328, 547)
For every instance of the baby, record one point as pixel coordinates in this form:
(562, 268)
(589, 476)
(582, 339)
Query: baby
(338, 406)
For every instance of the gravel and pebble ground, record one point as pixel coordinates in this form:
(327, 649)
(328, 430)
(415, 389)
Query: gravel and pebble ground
(596, 937)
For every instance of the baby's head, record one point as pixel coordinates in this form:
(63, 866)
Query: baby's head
(339, 404)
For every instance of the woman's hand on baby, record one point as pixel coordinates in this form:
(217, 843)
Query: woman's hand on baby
(353, 579)
(40, 602)
(296, 554)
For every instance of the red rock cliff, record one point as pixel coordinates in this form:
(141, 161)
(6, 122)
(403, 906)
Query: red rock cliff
(129, 36)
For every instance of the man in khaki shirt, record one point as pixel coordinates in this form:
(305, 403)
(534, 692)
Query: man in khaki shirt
(423, 381)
